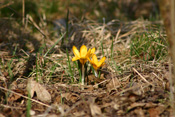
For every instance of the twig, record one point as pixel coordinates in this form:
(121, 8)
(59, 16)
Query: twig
(12, 107)
(25, 97)
(131, 88)
(117, 35)
(157, 77)
(8, 4)
(23, 12)
(142, 77)
(100, 83)
(36, 26)
(171, 85)
(71, 108)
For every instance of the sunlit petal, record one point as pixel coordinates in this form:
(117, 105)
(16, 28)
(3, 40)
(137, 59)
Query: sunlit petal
(83, 51)
(83, 61)
(95, 63)
(103, 64)
(75, 51)
(75, 58)
(94, 59)
(83, 56)
(95, 67)
(93, 51)
(88, 53)
(101, 61)
(89, 60)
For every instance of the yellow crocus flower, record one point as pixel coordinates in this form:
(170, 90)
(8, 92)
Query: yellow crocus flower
(83, 55)
(96, 64)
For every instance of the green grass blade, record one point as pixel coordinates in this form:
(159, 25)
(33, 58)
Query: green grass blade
(54, 45)
(69, 65)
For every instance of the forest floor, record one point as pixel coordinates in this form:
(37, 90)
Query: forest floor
(38, 77)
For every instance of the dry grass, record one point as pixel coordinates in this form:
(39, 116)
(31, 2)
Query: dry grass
(129, 85)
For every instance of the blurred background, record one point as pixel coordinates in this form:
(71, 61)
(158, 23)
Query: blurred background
(89, 9)
(33, 23)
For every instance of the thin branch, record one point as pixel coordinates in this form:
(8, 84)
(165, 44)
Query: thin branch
(6, 5)
(25, 97)
(23, 12)
(142, 77)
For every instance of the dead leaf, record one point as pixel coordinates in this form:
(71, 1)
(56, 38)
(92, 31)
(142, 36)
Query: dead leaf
(153, 112)
(31, 86)
(161, 108)
(150, 105)
(79, 114)
(13, 85)
(32, 112)
(2, 78)
(1, 115)
(58, 99)
(41, 92)
(136, 91)
(134, 105)
(52, 115)
(139, 112)
(156, 111)
(113, 84)
(89, 88)
(132, 97)
(14, 97)
(116, 106)
(70, 96)
(95, 110)
(63, 108)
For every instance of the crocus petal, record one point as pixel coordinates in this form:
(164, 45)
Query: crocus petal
(88, 53)
(75, 58)
(89, 60)
(95, 67)
(76, 52)
(103, 64)
(94, 59)
(93, 51)
(83, 51)
(83, 61)
(101, 61)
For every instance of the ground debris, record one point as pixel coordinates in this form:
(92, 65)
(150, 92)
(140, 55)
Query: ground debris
(41, 92)
(119, 90)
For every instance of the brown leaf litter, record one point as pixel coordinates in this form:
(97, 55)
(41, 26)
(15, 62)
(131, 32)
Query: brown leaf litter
(128, 86)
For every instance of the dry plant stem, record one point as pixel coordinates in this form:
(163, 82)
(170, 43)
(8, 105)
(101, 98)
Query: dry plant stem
(23, 12)
(132, 88)
(71, 108)
(82, 79)
(37, 27)
(167, 10)
(25, 97)
(96, 73)
(171, 86)
(172, 4)
(6, 5)
(142, 76)
(100, 83)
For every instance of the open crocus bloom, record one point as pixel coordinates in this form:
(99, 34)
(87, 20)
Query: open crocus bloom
(95, 63)
(83, 55)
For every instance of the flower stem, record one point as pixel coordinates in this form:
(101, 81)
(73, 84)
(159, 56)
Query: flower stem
(82, 79)
(96, 73)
